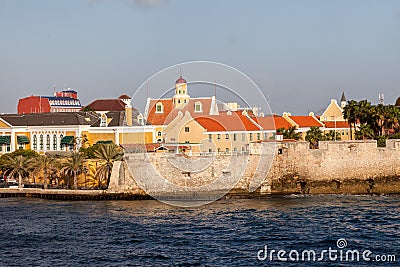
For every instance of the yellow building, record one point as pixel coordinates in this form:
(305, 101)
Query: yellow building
(68, 131)
(333, 119)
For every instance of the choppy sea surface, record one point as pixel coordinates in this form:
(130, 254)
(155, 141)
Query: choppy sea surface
(36, 232)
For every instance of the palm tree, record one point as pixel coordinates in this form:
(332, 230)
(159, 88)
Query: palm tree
(289, 133)
(364, 132)
(16, 166)
(313, 136)
(73, 167)
(46, 164)
(349, 114)
(107, 153)
(332, 136)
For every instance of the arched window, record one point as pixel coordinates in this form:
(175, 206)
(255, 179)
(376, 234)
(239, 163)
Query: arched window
(103, 120)
(159, 108)
(61, 137)
(34, 142)
(48, 142)
(159, 133)
(55, 142)
(41, 142)
(198, 107)
(140, 119)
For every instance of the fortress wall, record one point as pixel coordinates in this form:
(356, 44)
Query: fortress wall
(336, 167)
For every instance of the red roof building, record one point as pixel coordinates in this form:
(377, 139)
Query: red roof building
(63, 101)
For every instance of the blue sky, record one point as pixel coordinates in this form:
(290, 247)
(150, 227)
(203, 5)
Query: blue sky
(300, 53)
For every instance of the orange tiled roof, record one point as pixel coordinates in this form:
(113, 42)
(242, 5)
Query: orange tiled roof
(306, 121)
(273, 123)
(224, 122)
(339, 124)
(170, 112)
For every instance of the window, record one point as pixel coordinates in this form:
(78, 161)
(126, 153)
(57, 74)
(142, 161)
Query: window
(54, 142)
(61, 137)
(234, 137)
(35, 142)
(1, 148)
(41, 142)
(8, 147)
(159, 107)
(265, 136)
(227, 136)
(48, 142)
(179, 101)
(140, 119)
(159, 133)
(186, 129)
(243, 135)
(258, 136)
(219, 150)
(235, 149)
(251, 137)
(210, 150)
(210, 137)
(197, 107)
(103, 122)
(218, 137)
(227, 149)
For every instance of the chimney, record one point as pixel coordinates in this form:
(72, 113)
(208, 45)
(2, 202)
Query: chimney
(128, 109)
(128, 115)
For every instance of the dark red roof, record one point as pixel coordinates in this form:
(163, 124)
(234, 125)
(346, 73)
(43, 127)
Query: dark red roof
(181, 80)
(107, 105)
(124, 97)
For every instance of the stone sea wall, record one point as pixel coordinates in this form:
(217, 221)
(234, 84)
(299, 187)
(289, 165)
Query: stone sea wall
(354, 167)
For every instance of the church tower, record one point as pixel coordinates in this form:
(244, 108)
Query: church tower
(181, 96)
(343, 101)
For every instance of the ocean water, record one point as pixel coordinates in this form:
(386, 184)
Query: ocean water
(36, 232)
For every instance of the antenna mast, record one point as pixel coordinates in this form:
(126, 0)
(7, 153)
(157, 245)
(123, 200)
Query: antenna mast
(381, 98)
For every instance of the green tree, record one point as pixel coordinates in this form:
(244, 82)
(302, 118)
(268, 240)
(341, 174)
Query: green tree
(88, 152)
(349, 114)
(364, 132)
(314, 135)
(107, 153)
(332, 136)
(73, 167)
(87, 109)
(47, 165)
(17, 166)
(290, 133)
